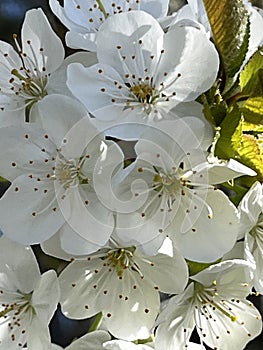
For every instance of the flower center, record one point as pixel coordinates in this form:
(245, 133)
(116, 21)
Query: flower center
(14, 310)
(121, 259)
(28, 82)
(144, 93)
(168, 184)
(68, 172)
(31, 87)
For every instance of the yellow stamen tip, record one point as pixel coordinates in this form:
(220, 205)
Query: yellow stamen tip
(233, 318)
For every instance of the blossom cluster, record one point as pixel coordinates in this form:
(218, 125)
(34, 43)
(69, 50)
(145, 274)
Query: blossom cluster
(112, 169)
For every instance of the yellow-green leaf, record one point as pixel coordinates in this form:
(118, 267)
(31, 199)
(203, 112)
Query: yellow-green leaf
(252, 110)
(248, 147)
(2, 179)
(251, 78)
(229, 22)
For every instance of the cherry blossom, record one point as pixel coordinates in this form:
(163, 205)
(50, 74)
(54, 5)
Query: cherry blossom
(25, 73)
(83, 18)
(215, 304)
(251, 227)
(28, 299)
(143, 72)
(52, 171)
(123, 284)
(173, 181)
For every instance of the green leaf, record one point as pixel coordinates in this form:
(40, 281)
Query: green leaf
(230, 25)
(251, 78)
(252, 110)
(223, 148)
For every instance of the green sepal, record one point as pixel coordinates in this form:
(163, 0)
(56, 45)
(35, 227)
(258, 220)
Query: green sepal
(215, 108)
(2, 179)
(223, 147)
(194, 267)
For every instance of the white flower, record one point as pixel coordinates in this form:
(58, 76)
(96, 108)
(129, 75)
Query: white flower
(25, 73)
(84, 17)
(28, 299)
(124, 285)
(90, 341)
(143, 72)
(251, 226)
(173, 184)
(194, 14)
(215, 303)
(125, 345)
(52, 174)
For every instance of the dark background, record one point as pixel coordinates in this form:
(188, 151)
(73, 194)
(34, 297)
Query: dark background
(11, 17)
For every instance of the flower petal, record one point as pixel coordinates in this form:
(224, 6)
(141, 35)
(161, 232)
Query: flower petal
(209, 237)
(37, 31)
(27, 208)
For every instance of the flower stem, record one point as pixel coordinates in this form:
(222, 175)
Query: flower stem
(102, 8)
(95, 325)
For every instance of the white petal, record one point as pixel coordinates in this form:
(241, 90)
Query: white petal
(64, 13)
(57, 81)
(176, 323)
(250, 208)
(209, 237)
(59, 114)
(198, 71)
(171, 140)
(124, 345)
(85, 41)
(86, 215)
(90, 341)
(133, 229)
(38, 337)
(231, 275)
(131, 316)
(52, 247)
(239, 336)
(21, 266)
(24, 150)
(221, 171)
(157, 8)
(38, 31)
(78, 294)
(46, 296)
(175, 278)
(125, 30)
(27, 211)
(74, 244)
(95, 88)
